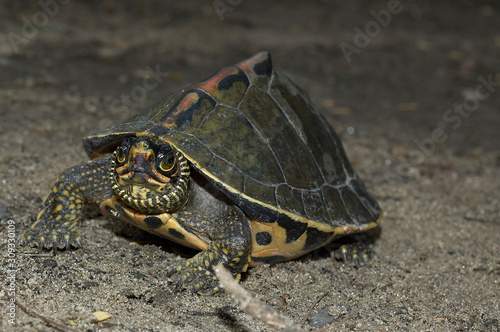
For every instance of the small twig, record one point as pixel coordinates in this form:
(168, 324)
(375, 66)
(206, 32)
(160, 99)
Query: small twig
(308, 313)
(253, 306)
(45, 319)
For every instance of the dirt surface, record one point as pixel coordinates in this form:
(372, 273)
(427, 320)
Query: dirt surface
(411, 102)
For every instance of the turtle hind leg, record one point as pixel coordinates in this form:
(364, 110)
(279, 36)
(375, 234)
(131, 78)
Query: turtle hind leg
(57, 225)
(354, 248)
(358, 254)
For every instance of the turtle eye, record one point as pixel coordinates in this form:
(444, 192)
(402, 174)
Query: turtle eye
(121, 155)
(166, 162)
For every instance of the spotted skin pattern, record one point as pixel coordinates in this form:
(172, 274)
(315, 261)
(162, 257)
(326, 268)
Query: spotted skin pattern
(57, 225)
(239, 166)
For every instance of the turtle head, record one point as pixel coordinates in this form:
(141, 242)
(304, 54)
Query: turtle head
(150, 176)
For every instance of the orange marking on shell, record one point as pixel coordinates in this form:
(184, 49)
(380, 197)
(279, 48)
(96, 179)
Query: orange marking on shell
(210, 86)
(247, 65)
(184, 104)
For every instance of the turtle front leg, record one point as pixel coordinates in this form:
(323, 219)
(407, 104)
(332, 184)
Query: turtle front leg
(57, 225)
(230, 246)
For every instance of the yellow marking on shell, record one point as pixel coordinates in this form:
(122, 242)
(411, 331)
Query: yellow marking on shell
(279, 247)
(168, 222)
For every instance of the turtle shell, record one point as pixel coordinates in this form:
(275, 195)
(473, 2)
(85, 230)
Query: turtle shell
(257, 137)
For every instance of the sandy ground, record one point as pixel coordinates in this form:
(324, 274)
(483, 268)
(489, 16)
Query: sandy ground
(414, 101)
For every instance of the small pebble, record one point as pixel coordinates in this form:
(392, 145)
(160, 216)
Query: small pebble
(51, 263)
(322, 318)
(101, 316)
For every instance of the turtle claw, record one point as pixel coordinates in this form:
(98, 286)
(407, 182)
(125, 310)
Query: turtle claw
(54, 248)
(179, 287)
(51, 238)
(76, 243)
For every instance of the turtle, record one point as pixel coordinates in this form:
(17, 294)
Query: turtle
(240, 167)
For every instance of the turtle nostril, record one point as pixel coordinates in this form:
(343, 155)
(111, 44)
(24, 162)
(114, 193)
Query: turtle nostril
(142, 159)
